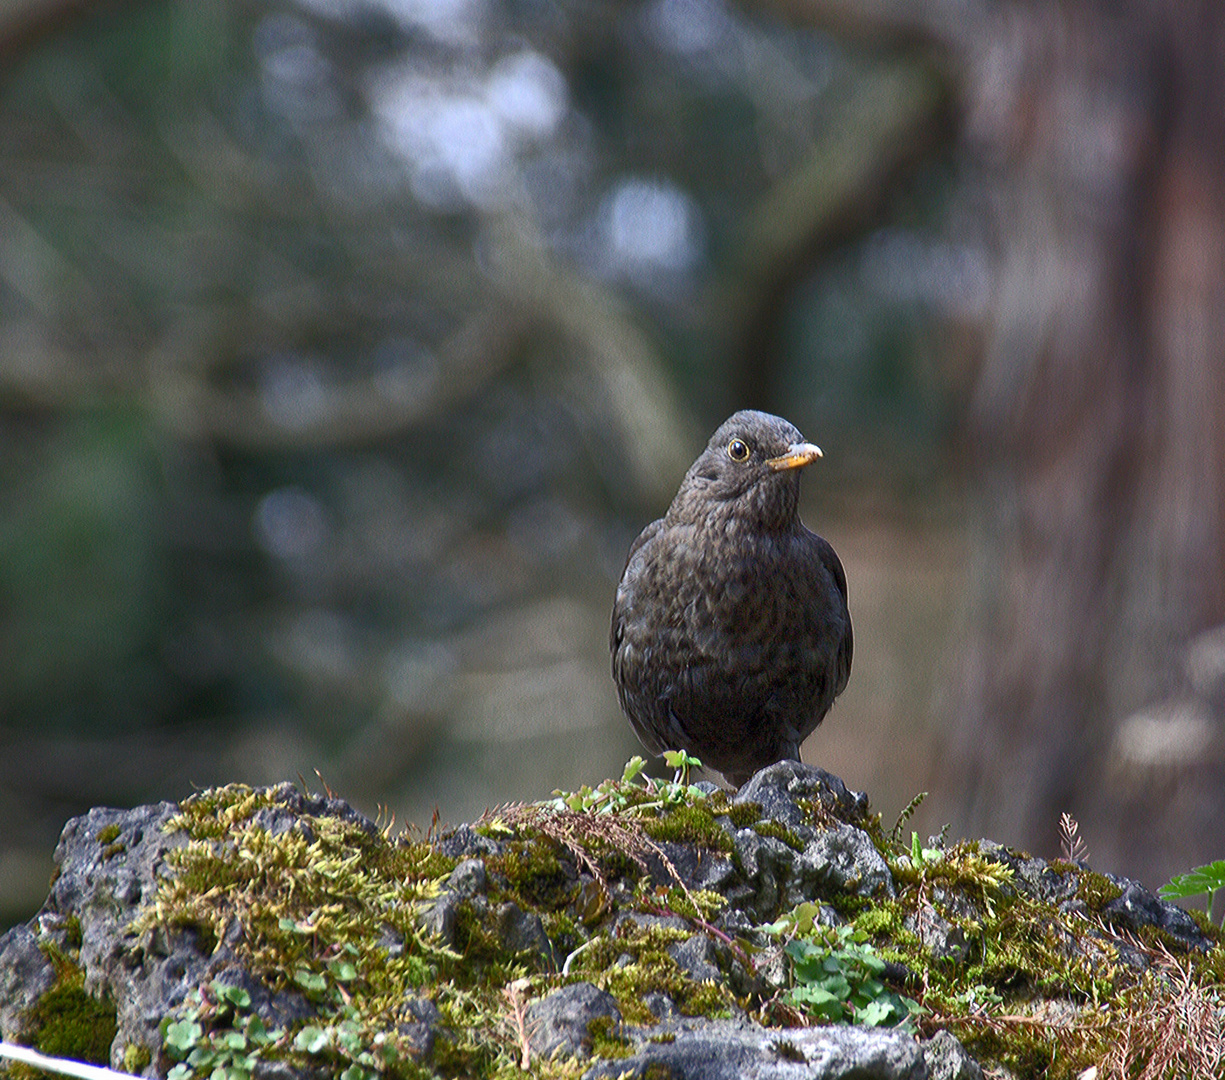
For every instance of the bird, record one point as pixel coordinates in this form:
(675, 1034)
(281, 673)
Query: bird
(731, 636)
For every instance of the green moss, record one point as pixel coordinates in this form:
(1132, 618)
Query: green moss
(69, 1022)
(72, 932)
(1096, 890)
(535, 874)
(689, 823)
(606, 1039)
(743, 814)
(136, 1058)
(317, 901)
(883, 919)
(107, 834)
(635, 963)
(779, 831)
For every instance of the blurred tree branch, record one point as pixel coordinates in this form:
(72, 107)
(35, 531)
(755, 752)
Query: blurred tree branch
(889, 120)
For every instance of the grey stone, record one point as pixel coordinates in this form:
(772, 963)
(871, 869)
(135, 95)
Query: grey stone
(742, 1050)
(109, 865)
(562, 1020)
(420, 1032)
(465, 842)
(468, 878)
(844, 858)
(777, 789)
(696, 867)
(662, 1007)
(437, 918)
(766, 863)
(25, 975)
(649, 922)
(947, 1059)
(696, 957)
(937, 935)
(1135, 907)
(523, 931)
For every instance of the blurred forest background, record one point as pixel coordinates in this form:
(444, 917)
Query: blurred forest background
(346, 344)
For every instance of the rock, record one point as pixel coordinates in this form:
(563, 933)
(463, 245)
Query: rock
(835, 857)
(939, 937)
(697, 957)
(438, 917)
(292, 808)
(813, 844)
(777, 789)
(25, 975)
(697, 868)
(562, 1021)
(467, 881)
(741, 1050)
(421, 1030)
(109, 862)
(468, 878)
(947, 1059)
(845, 859)
(465, 842)
(523, 931)
(1136, 907)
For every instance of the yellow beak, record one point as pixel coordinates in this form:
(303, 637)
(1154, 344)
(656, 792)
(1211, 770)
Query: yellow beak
(799, 455)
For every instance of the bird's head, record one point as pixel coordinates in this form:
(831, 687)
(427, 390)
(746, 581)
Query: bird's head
(749, 469)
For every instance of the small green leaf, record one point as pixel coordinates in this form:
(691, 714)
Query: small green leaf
(294, 927)
(310, 981)
(872, 962)
(202, 1057)
(311, 1039)
(1206, 878)
(876, 1014)
(182, 1036)
(349, 1038)
(633, 769)
(342, 970)
(815, 1000)
(235, 995)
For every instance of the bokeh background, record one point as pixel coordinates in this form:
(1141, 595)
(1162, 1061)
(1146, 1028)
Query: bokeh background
(346, 344)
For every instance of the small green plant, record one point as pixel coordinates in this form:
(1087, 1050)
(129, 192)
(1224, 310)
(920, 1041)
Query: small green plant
(347, 1040)
(895, 834)
(838, 974)
(1203, 879)
(682, 762)
(919, 855)
(216, 1036)
(633, 793)
(838, 977)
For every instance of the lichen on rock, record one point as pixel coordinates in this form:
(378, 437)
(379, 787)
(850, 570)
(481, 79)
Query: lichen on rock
(640, 929)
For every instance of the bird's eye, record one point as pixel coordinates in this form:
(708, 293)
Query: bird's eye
(738, 450)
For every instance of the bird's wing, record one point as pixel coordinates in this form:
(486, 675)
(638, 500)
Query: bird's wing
(829, 557)
(618, 613)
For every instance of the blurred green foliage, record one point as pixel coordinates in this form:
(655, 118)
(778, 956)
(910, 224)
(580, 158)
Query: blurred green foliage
(341, 354)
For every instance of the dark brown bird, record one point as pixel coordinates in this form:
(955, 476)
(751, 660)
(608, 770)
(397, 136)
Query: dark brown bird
(730, 632)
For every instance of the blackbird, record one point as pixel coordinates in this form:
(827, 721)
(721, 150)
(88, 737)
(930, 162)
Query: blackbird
(730, 631)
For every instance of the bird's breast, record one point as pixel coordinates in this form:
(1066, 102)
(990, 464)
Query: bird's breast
(710, 593)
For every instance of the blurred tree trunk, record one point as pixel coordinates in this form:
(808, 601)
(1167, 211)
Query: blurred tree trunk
(1096, 438)
(1092, 676)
